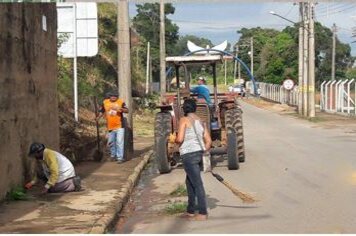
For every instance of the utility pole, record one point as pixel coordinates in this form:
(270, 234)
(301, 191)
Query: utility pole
(334, 30)
(124, 65)
(148, 67)
(225, 70)
(311, 87)
(162, 50)
(300, 60)
(238, 66)
(251, 55)
(235, 62)
(305, 59)
(75, 79)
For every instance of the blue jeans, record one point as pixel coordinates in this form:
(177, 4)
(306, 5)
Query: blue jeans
(195, 188)
(116, 143)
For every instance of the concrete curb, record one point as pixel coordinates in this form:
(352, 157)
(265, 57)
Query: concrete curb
(109, 217)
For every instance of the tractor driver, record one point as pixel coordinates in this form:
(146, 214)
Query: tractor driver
(202, 90)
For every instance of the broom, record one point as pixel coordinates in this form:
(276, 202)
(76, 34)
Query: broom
(245, 197)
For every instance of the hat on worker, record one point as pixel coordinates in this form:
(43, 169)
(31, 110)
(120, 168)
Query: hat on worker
(202, 78)
(113, 94)
(35, 148)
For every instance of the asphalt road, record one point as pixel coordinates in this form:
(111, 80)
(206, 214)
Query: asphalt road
(304, 176)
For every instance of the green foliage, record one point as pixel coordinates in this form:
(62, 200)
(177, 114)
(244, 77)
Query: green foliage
(176, 208)
(179, 191)
(351, 73)
(17, 194)
(181, 45)
(276, 53)
(147, 25)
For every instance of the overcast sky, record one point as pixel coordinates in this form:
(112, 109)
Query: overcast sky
(220, 21)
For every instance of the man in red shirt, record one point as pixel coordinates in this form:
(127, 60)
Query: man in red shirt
(113, 108)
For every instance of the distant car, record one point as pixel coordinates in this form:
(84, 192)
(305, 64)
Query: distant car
(239, 89)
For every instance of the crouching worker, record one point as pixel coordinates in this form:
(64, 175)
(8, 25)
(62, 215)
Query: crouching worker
(59, 171)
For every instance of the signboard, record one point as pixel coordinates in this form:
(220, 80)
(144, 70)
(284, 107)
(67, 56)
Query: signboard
(288, 84)
(77, 20)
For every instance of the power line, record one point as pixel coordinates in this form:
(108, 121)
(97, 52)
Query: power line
(333, 8)
(345, 9)
(290, 10)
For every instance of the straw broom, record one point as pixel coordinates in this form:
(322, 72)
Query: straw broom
(245, 197)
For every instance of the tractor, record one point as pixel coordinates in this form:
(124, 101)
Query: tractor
(223, 117)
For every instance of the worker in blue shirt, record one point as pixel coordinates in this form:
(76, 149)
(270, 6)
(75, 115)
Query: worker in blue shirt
(202, 90)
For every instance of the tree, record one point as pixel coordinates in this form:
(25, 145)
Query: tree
(276, 53)
(181, 45)
(260, 38)
(146, 24)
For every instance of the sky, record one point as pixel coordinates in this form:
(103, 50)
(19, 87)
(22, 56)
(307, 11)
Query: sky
(220, 21)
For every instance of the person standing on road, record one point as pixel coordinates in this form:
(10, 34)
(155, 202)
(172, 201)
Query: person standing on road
(58, 170)
(113, 108)
(194, 138)
(202, 90)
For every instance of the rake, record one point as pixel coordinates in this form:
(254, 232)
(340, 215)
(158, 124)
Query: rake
(245, 197)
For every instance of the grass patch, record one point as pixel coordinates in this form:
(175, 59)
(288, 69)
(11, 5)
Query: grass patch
(316, 119)
(144, 123)
(176, 208)
(179, 191)
(17, 194)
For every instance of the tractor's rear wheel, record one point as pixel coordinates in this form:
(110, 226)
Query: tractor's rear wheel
(232, 140)
(163, 127)
(238, 126)
(232, 158)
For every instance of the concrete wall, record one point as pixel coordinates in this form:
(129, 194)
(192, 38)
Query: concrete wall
(28, 87)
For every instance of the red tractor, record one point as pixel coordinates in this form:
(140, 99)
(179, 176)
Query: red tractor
(223, 118)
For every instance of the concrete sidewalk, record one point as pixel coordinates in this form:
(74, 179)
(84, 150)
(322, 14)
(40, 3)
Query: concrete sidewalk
(106, 187)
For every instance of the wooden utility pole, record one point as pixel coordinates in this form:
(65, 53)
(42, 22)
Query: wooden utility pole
(311, 87)
(162, 47)
(225, 70)
(305, 59)
(251, 55)
(148, 67)
(235, 62)
(334, 29)
(124, 64)
(300, 60)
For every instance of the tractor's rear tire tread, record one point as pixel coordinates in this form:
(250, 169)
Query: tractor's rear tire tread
(234, 123)
(163, 127)
(232, 144)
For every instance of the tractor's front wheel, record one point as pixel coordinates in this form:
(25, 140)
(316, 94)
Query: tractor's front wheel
(163, 127)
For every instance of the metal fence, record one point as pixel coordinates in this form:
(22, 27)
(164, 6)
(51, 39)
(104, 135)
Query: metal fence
(277, 93)
(338, 96)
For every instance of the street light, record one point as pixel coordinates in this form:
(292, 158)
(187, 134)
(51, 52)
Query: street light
(275, 14)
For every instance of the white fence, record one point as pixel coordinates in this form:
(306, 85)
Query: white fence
(277, 93)
(338, 96)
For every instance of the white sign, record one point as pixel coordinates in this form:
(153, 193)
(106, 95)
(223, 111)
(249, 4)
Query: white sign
(288, 84)
(44, 23)
(82, 22)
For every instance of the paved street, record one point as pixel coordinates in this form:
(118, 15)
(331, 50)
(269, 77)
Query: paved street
(303, 174)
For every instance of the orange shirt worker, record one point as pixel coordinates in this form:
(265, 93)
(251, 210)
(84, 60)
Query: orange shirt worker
(113, 109)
